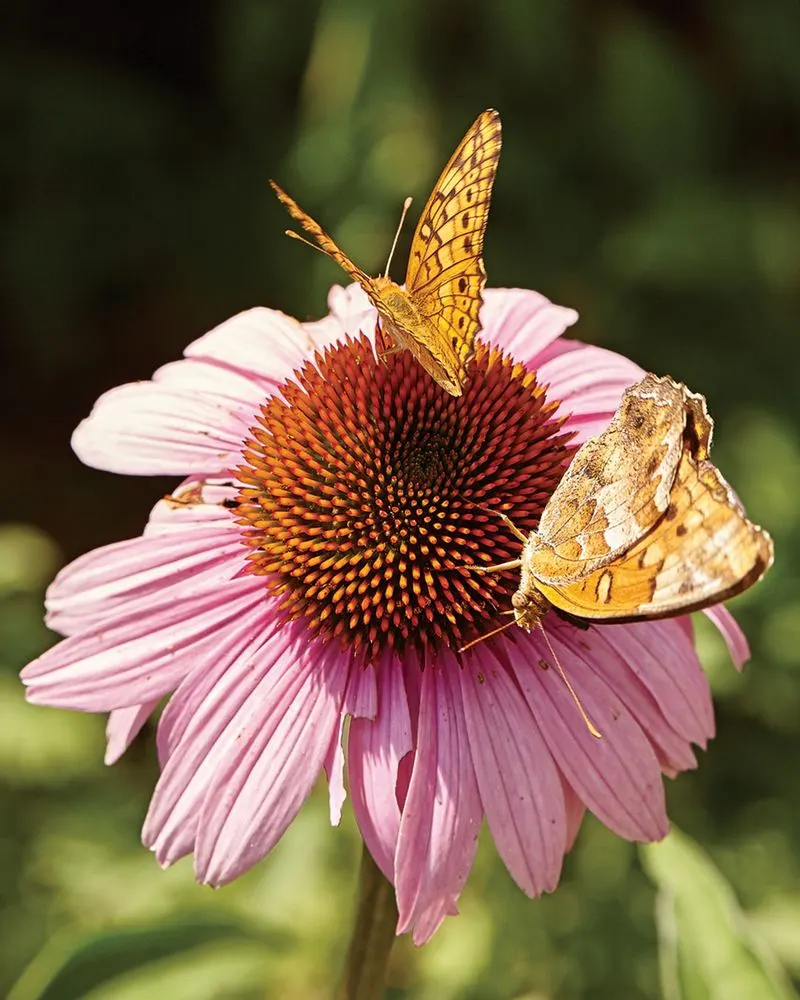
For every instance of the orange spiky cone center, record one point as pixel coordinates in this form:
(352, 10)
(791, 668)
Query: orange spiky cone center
(368, 491)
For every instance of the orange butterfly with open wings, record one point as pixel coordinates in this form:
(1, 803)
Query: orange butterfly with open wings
(436, 315)
(642, 526)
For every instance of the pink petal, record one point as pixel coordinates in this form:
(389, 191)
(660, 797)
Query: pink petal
(275, 759)
(575, 810)
(197, 729)
(519, 785)
(603, 660)
(617, 777)
(521, 322)
(109, 579)
(441, 819)
(352, 310)
(123, 726)
(139, 657)
(734, 637)
(169, 514)
(242, 393)
(664, 660)
(589, 381)
(149, 429)
(374, 752)
(262, 342)
(585, 427)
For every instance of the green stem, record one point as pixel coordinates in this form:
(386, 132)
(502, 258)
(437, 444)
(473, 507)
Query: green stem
(364, 974)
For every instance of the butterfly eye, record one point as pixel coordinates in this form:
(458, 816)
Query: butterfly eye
(520, 600)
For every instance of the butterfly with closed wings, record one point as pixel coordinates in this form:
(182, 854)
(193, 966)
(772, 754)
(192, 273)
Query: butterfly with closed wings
(641, 526)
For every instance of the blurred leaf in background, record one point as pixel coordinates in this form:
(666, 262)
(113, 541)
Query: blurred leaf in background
(707, 948)
(649, 179)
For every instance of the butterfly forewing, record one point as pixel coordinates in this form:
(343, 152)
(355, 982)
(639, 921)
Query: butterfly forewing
(445, 275)
(702, 551)
(619, 484)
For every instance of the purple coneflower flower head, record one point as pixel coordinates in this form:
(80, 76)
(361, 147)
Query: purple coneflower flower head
(313, 565)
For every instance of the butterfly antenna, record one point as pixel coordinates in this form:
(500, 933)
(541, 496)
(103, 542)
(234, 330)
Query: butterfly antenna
(488, 635)
(406, 206)
(308, 243)
(589, 725)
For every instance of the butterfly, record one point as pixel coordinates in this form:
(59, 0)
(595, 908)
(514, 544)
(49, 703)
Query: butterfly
(641, 526)
(435, 316)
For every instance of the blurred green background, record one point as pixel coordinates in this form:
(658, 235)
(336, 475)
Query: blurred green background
(649, 178)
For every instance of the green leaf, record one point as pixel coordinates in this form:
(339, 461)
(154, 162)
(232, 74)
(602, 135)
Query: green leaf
(707, 948)
(67, 968)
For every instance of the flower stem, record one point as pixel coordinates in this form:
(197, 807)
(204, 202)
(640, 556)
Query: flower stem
(364, 974)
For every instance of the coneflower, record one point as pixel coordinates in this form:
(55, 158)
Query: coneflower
(313, 565)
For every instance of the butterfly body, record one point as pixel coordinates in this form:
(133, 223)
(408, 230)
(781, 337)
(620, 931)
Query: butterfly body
(435, 314)
(642, 526)
(410, 330)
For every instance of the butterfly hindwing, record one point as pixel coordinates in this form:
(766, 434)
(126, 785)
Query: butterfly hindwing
(619, 484)
(702, 551)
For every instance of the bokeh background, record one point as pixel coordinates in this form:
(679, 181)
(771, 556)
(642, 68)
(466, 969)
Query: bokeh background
(649, 178)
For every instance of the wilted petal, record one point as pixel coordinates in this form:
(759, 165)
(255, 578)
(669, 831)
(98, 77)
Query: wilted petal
(361, 699)
(670, 747)
(662, 656)
(575, 810)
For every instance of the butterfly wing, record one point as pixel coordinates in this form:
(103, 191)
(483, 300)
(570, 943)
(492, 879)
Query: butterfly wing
(324, 241)
(445, 275)
(619, 484)
(702, 551)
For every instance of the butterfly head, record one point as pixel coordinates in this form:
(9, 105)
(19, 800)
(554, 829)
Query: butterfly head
(530, 607)
(529, 604)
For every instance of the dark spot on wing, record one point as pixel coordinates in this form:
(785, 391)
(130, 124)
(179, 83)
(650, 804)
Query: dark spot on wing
(462, 284)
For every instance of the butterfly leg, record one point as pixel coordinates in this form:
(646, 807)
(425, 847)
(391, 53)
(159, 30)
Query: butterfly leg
(498, 568)
(521, 535)
(394, 349)
(385, 345)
